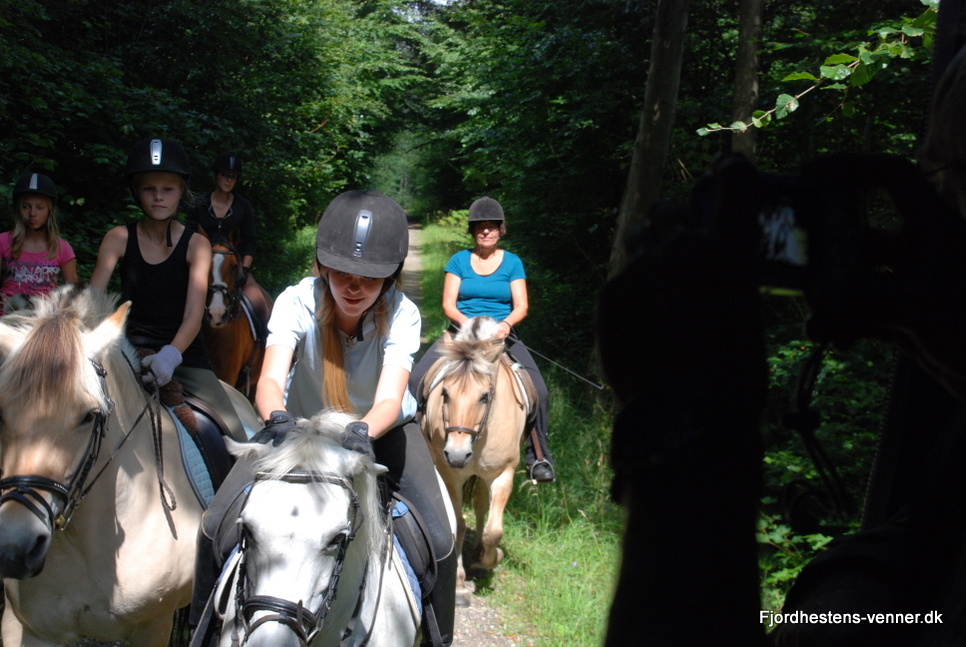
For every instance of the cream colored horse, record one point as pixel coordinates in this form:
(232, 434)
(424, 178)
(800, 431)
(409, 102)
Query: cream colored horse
(474, 420)
(115, 566)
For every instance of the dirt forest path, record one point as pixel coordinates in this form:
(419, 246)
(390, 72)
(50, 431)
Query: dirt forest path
(477, 625)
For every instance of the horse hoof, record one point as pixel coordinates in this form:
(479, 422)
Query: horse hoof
(463, 599)
(478, 572)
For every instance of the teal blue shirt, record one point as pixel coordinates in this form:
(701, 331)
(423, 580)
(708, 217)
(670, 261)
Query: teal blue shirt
(485, 295)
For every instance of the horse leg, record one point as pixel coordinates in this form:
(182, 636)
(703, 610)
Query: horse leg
(10, 628)
(454, 486)
(500, 490)
(481, 505)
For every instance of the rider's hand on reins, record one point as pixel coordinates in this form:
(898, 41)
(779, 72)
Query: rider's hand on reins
(279, 423)
(357, 439)
(161, 365)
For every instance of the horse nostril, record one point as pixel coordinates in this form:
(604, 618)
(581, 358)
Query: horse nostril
(39, 549)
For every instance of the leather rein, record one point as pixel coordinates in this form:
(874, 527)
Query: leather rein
(305, 623)
(25, 489)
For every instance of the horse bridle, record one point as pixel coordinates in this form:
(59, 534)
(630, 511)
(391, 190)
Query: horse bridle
(302, 621)
(474, 432)
(24, 489)
(220, 287)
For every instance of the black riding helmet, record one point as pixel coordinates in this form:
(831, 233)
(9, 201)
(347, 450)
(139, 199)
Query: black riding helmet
(157, 154)
(486, 209)
(363, 233)
(228, 163)
(35, 183)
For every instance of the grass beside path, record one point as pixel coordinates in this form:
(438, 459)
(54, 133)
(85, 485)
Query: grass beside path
(561, 540)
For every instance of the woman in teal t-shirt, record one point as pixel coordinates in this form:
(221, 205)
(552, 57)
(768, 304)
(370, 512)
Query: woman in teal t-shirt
(490, 281)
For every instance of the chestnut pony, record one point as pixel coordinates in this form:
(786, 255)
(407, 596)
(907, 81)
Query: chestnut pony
(233, 333)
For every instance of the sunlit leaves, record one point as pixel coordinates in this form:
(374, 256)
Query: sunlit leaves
(905, 38)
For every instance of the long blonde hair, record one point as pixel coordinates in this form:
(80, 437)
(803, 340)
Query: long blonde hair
(335, 383)
(51, 231)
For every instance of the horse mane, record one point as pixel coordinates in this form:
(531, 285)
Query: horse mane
(472, 351)
(316, 446)
(51, 358)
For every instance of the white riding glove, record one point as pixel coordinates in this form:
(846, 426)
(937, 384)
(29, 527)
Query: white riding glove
(161, 365)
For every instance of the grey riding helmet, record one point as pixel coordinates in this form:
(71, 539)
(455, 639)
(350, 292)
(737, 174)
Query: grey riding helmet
(228, 163)
(158, 154)
(486, 209)
(363, 233)
(35, 183)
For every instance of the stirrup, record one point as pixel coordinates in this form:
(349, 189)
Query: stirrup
(543, 463)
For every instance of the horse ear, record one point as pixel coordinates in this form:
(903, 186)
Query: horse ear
(251, 451)
(108, 332)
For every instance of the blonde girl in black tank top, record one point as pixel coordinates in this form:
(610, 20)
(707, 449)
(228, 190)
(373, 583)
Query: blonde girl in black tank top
(164, 272)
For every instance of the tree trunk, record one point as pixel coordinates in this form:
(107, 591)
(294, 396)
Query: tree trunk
(657, 120)
(746, 76)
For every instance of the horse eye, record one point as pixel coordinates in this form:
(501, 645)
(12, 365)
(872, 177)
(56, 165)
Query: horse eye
(89, 417)
(484, 397)
(338, 539)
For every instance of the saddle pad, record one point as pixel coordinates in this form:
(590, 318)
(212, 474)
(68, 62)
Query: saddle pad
(194, 463)
(414, 588)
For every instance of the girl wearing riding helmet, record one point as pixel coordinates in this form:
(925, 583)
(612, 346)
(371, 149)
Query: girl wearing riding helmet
(489, 281)
(164, 274)
(227, 216)
(345, 341)
(32, 255)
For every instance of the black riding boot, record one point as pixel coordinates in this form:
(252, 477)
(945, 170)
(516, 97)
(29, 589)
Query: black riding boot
(443, 599)
(539, 461)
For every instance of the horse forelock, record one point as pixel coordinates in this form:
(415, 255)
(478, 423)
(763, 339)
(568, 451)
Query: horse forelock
(46, 369)
(316, 446)
(49, 367)
(468, 354)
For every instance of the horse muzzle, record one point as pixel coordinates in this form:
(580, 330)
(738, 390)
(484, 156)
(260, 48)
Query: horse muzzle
(459, 448)
(24, 541)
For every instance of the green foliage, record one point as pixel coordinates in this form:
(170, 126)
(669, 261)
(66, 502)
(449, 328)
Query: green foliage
(307, 92)
(849, 396)
(783, 555)
(439, 242)
(905, 38)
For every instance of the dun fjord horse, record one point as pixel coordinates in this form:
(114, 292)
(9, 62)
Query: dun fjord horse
(316, 558)
(234, 335)
(475, 416)
(98, 522)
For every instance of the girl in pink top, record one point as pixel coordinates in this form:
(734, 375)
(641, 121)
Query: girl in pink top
(32, 255)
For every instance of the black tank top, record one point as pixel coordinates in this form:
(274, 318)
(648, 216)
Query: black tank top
(157, 294)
